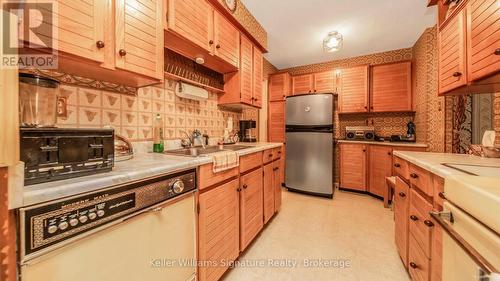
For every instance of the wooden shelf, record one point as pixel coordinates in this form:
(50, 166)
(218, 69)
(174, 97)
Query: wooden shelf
(179, 78)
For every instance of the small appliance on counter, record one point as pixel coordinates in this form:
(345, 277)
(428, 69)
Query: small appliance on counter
(123, 149)
(362, 133)
(410, 134)
(248, 131)
(52, 154)
(37, 101)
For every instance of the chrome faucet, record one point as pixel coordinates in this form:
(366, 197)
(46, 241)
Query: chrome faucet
(196, 134)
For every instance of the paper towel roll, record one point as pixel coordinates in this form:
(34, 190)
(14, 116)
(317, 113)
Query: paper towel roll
(489, 139)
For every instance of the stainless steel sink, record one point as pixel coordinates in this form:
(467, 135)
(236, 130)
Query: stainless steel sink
(200, 151)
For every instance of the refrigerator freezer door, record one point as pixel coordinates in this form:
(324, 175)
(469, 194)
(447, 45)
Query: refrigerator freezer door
(309, 162)
(310, 110)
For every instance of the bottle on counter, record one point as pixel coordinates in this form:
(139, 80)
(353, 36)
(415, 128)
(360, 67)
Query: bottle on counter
(158, 145)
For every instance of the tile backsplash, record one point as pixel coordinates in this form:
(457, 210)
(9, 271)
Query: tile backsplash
(133, 116)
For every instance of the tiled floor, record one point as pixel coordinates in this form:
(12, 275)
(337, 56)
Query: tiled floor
(350, 227)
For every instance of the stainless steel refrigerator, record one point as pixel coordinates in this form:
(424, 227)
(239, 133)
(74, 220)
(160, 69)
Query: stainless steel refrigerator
(309, 144)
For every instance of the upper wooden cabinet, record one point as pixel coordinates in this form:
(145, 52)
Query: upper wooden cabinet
(321, 82)
(276, 121)
(139, 37)
(353, 89)
(279, 86)
(246, 71)
(227, 40)
(391, 87)
(353, 160)
(257, 77)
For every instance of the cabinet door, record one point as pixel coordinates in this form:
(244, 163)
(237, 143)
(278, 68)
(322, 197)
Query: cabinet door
(227, 40)
(302, 84)
(401, 206)
(276, 121)
(251, 207)
(279, 86)
(80, 27)
(278, 179)
(218, 228)
(139, 37)
(324, 82)
(353, 166)
(257, 77)
(353, 90)
(268, 192)
(451, 53)
(193, 20)
(246, 70)
(483, 32)
(380, 168)
(391, 87)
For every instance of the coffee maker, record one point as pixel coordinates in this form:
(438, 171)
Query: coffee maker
(248, 131)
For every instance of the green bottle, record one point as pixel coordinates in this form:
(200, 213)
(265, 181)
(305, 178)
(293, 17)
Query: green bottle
(158, 145)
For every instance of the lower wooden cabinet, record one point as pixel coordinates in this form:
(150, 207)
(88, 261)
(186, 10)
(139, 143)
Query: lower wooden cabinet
(401, 206)
(353, 166)
(380, 167)
(251, 207)
(218, 228)
(268, 191)
(418, 262)
(278, 173)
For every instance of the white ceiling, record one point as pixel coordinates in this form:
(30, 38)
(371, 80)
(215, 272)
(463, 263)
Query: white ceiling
(296, 28)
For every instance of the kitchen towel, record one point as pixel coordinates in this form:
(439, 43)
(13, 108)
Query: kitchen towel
(225, 160)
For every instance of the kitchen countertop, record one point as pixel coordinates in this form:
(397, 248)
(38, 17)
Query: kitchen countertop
(388, 143)
(144, 165)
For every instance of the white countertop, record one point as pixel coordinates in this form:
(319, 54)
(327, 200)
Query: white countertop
(387, 143)
(144, 165)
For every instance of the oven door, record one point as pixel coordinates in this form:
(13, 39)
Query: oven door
(157, 245)
(471, 251)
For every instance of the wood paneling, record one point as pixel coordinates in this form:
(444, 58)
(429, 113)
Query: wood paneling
(324, 82)
(251, 207)
(276, 125)
(401, 209)
(483, 38)
(268, 192)
(353, 166)
(451, 52)
(353, 90)
(302, 84)
(380, 167)
(278, 179)
(246, 71)
(250, 161)
(279, 86)
(218, 229)
(207, 177)
(227, 40)
(391, 87)
(257, 77)
(139, 37)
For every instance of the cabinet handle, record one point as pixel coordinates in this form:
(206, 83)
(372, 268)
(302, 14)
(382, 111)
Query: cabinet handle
(122, 53)
(238, 189)
(211, 42)
(388, 153)
(428, 223)
(270, 155)
(371, 107)
(315, 91)
(100, 44)
(497, 51)
(397, 165)
(366, 107)
(217, 46)
(441, 195)
(413, 265)
(364, 150)
(414, 218)
(457, 74)
(402, 194)
(279, 152)
(245, 186)
(414, 176)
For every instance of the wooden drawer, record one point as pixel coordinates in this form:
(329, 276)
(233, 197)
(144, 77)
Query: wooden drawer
(277, 153)
(250, 161)
(207, 177)
(418, 263)
(421, 179)
(401, 168)
(401, 206)
(438, 189)
(268, 155)
(420, 221)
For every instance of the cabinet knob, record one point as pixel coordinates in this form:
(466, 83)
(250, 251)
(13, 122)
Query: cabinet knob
(388, 153)
(256, 99)
(413, 265)
(100, 44)
(497, 51)
(217, 46)
(371, 107)
(366, 107)
(122, 53)
(457, 74)
(414, 218)
(441, 195)
(414, 176)
(402, 194)
(397, 165)
(428, 223)
(279, 152)
(245, 186)
(270, 155)
(211, 42)
(315, 91)
(364, 150)
(238, 189)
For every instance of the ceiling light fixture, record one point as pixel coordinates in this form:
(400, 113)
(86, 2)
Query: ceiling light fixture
(332, 42)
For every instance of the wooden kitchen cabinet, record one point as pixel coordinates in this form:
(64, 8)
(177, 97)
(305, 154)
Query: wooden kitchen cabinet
(380, 167)
(324, 82)
(258, 70)
(391, 87)
(251, 207)
(246, 71)
(353, 89)
(401, 209)
(279, 86)
(320, 82)
(268, 191)
(226, 40)
(353, 172)
(218, 228)
(276, 121)
(139, 37)
(278, 179)
(302, 84)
